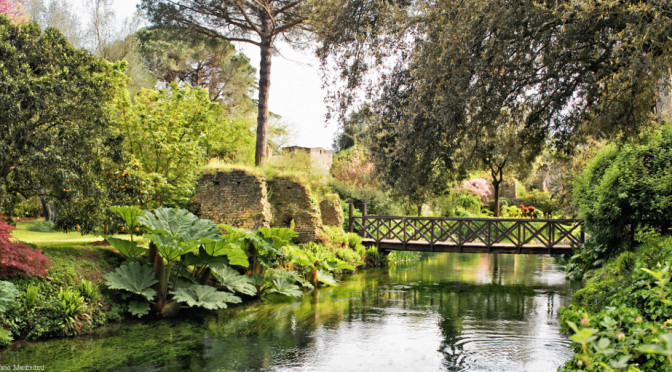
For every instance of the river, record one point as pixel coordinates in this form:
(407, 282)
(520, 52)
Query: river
(445, 312)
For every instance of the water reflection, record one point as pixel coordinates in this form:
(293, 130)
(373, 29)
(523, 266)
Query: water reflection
(451, 312)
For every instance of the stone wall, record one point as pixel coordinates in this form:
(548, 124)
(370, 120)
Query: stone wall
(291, 203)
(237, 198)
(331, 210)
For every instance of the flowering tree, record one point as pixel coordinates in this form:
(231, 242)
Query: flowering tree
(14, 10)
(477, 186)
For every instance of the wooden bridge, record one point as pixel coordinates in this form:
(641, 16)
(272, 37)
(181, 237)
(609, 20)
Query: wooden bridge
(471, 235)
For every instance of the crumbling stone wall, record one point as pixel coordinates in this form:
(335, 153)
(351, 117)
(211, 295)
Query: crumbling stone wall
(291, 201)
(331, 210)
(237, 198)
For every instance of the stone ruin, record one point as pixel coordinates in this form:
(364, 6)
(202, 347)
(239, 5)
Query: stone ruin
(331, 210)
(237, 198)
(243, 199)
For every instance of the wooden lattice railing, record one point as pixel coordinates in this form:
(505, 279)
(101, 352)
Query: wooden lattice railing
(516, 233)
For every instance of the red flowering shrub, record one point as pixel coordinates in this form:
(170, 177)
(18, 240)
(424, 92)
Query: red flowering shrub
(528, 211)
(17, 257)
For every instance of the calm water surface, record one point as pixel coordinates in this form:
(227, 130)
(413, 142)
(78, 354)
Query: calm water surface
(446, 312)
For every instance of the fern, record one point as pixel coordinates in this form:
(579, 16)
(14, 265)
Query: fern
(133, 277)
(204, 296)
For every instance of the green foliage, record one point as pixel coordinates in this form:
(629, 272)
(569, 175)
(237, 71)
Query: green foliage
(72, 309)
(180, 55)
(133, 277)
(621, 318)
(623, 191)
(31, 296)
(378, 202)
(204, 296)
(128, 248)
(233, 250)
(284, 286)
(169, 132)
(43, 226)
(57, 134)
(138, 308)
(8, 293)
(85, 288)
(232, 280)
(129, 215)
(542, 200)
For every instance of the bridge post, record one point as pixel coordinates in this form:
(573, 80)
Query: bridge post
(350, 213)
(363, 218)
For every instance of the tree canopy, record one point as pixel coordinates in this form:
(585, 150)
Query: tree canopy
(175, 54)
(55, 129)
(577, 68)
(251, 21)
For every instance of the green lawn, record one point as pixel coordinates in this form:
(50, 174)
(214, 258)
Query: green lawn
(58, 239)
(51, 239)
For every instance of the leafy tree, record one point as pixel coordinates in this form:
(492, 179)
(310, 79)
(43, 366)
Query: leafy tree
(251, 21)
(353, 166)
(355, 130)
(507, 147)
(55, 128)
(175, 54)
(170, 132)
(128, 50)
(577, 68)
(624, 192)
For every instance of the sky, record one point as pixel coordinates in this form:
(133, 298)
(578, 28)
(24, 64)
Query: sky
(296, 89)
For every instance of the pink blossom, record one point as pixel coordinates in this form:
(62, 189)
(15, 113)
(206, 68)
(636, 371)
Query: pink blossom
(477, 186)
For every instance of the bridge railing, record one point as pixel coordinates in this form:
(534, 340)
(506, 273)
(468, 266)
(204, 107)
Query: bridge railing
(462, 231)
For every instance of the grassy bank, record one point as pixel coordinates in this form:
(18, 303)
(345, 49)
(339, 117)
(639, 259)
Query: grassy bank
(74, 297)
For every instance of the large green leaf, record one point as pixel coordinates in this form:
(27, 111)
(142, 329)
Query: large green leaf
(285, 287)
(126, 247)
(138, 308)
(179, 223)
(325, 278)
(204, 296)
(232, 250)
(133, 277)
(170, 248)
(129, 214)
(233, 280)
(8, 293)
(281, 236)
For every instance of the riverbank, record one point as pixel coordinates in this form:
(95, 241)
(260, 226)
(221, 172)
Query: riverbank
(73, 299)
(442, 312)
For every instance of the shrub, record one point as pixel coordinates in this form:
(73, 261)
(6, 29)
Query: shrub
(623, 191)
(42, 226)
(621, 319)
(16, 257)
(542, 200)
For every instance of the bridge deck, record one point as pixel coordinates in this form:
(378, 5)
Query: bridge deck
(444, 246)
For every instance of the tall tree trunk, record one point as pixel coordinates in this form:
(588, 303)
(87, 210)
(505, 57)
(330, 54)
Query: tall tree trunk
(49, 210)
(264, 90)
(495, 185)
